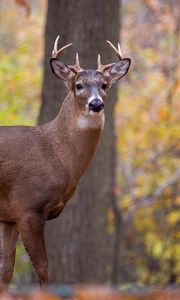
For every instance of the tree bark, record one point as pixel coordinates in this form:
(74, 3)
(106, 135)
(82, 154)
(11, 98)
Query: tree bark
(78, 241)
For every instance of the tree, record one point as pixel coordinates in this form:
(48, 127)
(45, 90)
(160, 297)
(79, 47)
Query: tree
(78, 241)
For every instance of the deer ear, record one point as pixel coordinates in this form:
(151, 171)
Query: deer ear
(119, 69)
(61, 70)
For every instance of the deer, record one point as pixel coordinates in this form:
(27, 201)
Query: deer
(40, 166)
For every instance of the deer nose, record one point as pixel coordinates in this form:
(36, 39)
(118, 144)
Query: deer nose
(96, 105)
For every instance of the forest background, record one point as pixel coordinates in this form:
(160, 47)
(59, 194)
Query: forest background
(147, 119)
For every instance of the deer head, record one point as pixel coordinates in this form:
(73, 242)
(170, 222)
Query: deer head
(89, 86)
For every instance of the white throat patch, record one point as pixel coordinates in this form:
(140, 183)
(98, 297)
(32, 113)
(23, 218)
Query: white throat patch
(91, 120)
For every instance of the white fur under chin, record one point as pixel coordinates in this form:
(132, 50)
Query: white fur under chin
(91, 119)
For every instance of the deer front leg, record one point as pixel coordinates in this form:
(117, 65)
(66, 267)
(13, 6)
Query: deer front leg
(8, 239)
(31, 228)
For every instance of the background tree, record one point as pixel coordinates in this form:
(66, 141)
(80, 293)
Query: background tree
(78, 241)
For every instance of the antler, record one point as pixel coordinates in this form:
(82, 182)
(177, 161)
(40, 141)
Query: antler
(76, 67)
(118, 52)
(56, 52)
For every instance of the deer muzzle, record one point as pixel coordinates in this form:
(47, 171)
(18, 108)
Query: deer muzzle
(96, 105)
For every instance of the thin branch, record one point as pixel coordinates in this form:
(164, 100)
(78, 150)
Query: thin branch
(158, 192)
(148, 162)
(172, 150)
(129, 176)
(150, 199)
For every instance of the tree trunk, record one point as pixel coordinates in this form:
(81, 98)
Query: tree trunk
(77, 242)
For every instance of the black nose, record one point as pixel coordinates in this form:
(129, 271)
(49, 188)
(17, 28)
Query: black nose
(96, 105)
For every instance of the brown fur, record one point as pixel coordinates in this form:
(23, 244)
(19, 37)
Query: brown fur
(40, 167)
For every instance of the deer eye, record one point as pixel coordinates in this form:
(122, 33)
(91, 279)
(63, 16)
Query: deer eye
(104, 86)
(79, 86)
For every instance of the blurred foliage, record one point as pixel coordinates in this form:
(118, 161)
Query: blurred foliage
(20, 69)
(21, 54)
(148, 143)
(19, 84)
(23, 269)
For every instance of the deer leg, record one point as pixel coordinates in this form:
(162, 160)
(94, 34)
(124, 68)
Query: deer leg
(8, 239)
(31, 228)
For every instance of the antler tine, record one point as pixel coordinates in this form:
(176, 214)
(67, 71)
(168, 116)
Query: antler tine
(77, 61)
(117, 51)
(76, 68)
(56, 44)
(102, 67)
(56, 52)
(99, 62)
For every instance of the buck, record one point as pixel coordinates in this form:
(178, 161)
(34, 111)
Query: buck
(40, 166)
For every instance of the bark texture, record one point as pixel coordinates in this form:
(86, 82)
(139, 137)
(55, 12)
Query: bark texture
(77, 241)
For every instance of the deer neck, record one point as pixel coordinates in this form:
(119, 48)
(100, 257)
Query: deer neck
(74, 136)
